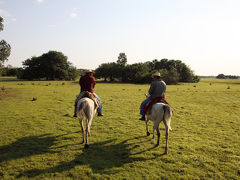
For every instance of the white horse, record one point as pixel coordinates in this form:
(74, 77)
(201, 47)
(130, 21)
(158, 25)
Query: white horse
(86, 109)
(160, 112)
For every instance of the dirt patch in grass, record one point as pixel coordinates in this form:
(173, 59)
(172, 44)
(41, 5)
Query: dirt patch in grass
(6, 93)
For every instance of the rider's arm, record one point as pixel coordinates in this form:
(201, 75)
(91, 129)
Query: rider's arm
(151, 89)
(164, 89)
(92, 82)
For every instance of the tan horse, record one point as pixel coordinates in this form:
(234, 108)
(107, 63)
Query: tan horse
(86, 109)
(159, 112)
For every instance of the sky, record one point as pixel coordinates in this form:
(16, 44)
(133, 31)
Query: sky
(203, 34)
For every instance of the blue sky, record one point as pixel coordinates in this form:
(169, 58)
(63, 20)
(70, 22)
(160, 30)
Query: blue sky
(204, 34)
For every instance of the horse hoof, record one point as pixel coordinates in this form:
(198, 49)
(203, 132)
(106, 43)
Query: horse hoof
(148, 133)
(86, 146)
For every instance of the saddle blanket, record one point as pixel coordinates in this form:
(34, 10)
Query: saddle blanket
(88, 95)
(155, 100)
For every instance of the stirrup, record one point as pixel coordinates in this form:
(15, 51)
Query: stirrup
(142, 118)
(100, 114)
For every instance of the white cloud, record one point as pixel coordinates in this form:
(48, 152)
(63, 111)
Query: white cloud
(7, 16)
(40, 1)
(75, 8)
(52, 25)
(73, 15)
(4, 13)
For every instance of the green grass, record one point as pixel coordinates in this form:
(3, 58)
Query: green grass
(40, 139)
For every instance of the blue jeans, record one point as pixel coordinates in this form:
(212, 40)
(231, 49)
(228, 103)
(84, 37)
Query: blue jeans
(99, 110)
(143, 104)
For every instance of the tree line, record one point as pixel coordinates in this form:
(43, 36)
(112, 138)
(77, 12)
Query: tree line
(172, 71)
(5, 48)
(54, 65)
(222, 76)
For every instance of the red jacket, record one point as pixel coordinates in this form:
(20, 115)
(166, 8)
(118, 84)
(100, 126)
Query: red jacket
(87, 83)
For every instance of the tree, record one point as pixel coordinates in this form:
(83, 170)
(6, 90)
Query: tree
(10, 71)
(55, 65)
(50, 66)
(172, 71)
(101, 71)
(170, 76)
(108, 71)
(73, 73)
(122, 59)
(176, 68)
(221, 76)
(137, 73)
(1, 23)
(5, 48)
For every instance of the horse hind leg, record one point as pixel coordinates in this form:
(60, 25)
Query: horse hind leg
(167, 121)
(167, 131)
(158, 135)
(155, 127)
(148, 133)
(88, 127)
(166, 147)
(86, 146)
(82, 129)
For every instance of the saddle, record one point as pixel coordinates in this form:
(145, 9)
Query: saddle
(89, 95)
(155, 100)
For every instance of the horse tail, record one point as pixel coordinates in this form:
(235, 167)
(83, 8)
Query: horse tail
(167, 115)
(81, 108)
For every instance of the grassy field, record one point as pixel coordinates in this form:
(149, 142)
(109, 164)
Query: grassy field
(39, 138)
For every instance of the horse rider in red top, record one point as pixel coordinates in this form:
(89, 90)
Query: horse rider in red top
(87, 83)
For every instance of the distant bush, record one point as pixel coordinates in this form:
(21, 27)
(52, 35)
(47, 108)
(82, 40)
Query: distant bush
(172, 71)
(11, 71)
(49, 66)
(222, 76)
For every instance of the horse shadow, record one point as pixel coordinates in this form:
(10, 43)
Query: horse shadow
(102, 157)
(28, 146)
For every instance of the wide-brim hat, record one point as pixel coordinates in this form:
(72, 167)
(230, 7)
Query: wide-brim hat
(156, 74)
(89, 71)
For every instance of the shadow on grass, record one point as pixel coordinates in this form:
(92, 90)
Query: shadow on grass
(101, 157)
(27, 146)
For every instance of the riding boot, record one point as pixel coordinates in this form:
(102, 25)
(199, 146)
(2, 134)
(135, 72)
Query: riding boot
(142, 118)
(100, 114)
